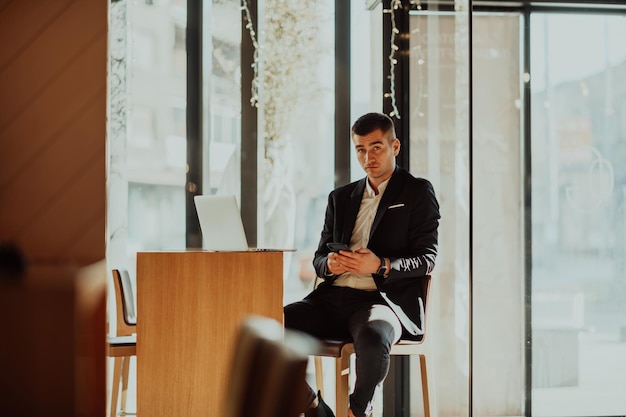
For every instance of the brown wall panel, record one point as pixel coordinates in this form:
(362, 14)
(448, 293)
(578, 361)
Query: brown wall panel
(60, 46)
(48, 116)
(48, 173)
(38, 14)
(4, 4)
(53, 61)
(62, 221)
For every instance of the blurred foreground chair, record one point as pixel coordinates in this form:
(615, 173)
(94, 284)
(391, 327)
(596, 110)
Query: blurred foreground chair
(268, 370)
(342, 351)
(52, 354)
(123, 345)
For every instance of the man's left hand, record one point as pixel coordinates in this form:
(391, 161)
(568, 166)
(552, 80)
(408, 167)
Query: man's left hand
(360, 261)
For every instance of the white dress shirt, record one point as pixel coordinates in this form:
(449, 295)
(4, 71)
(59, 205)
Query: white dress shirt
(360, 237)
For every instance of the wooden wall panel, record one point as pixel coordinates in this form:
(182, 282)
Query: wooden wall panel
(55, 364)
(62, 45)
(49, 117)
(38, 14)
(53, 67)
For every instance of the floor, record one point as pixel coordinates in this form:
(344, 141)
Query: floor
(600, 390)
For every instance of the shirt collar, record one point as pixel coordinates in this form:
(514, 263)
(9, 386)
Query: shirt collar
(381, 187)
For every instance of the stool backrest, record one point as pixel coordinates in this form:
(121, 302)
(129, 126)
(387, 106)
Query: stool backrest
(125, 303)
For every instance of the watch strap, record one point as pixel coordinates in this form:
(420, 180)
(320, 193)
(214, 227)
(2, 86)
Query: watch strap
(383, 266)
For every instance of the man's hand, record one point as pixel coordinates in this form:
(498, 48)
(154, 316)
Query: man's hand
(361, 261)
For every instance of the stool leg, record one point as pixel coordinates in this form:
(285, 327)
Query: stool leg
(125, 368)
(425, 395)
(342, 370)
(115, 385)
(319, 375)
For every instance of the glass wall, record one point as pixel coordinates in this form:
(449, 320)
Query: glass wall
(499, 322)
(296, 132)
(222, 90)
(439, 151)
(366, 64)
(156, 145)
(147, 135)
(149, 145)
(577, 214)
(577, 172)
(579, 219)
(295, 96)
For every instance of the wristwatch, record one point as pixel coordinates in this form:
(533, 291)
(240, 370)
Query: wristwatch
(383, 266)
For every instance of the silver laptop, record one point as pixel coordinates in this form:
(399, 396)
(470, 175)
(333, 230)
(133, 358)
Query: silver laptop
(220, 222)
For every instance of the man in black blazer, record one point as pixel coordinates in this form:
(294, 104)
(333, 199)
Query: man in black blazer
(372, 294)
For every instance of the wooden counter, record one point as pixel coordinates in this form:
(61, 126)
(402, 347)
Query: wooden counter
(189, 306)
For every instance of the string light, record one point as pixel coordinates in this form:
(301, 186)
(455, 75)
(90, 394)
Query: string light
(254, 88)
(418, 80)
(417, 4)
(395, 5)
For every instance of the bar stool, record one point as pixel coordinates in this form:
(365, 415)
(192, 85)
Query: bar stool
(123, 345)
(341, 350)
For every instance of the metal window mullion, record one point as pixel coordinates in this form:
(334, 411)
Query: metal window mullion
(193, 185)
(249, 131)
(342, 92)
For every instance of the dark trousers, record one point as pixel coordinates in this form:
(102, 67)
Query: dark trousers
(349, 314)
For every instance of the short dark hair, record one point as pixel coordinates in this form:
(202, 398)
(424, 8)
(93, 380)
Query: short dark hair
(370, 122)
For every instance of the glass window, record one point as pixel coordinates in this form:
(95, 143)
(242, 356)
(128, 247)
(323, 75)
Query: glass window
(498, 284)
(366, 76)
(147, 144)
(144, 48)
(578, 217)
(147, 134)
(296, 128)
(157, 93)
(578, 142)
(223, 117)
(142, 128)
(179, 61)
(439, 151)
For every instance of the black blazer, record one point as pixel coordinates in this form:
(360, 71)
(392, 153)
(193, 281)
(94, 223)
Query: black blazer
(404, 230)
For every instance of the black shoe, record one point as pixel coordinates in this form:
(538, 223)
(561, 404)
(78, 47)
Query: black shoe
(327, 410)
(310, 397)
(322, 409)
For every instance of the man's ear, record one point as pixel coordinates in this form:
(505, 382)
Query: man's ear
(396, 146)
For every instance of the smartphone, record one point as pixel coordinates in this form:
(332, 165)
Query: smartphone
(336, 247)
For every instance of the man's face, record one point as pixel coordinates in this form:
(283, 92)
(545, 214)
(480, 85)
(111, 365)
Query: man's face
(376, 153)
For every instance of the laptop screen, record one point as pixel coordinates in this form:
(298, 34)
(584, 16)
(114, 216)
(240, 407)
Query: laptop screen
(220, 222)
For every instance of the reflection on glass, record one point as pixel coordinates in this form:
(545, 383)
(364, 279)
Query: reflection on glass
(578, 218)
